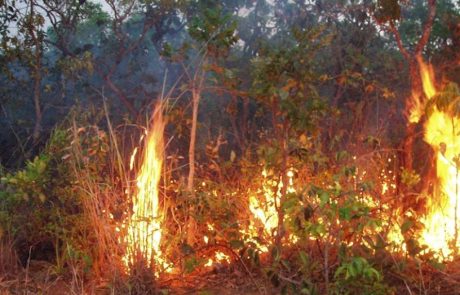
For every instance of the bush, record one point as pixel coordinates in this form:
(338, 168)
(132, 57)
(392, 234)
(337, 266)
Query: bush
(39, 207)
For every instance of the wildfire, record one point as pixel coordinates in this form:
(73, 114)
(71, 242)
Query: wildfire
(144, 225)
(263, 205)
(417, 108)
(441, 221)
(219, 256)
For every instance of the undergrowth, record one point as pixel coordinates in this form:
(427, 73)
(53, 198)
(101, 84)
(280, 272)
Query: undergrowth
(66, 207)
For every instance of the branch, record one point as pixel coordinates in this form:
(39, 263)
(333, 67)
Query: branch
(395, 32)
(427, 27)
(121, 95)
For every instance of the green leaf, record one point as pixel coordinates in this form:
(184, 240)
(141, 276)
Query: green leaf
(345, 213)
(304, 258)
(290, 203)
(407, 225)
(190, 264)
(324, 198)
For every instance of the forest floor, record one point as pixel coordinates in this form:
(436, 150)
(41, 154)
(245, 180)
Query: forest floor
(40, 279)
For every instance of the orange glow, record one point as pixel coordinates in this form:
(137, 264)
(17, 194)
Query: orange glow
(427, 75)
(263, 205)
(441, 132)
(417, 108)
(144, 225)
(417, 105)
(219, 257)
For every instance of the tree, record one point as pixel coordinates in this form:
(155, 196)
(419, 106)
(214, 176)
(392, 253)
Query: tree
(137, 28)
(26, 45)
(214, 33)
(285, 83)
(389, 13)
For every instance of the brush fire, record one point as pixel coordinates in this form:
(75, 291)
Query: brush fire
(230, 147)
(440, 223)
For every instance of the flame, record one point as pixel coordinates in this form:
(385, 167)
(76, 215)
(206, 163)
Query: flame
(219, 257)
(441, 224)
(427, 75)
(144, 225)
(263, 206)
(417, 105)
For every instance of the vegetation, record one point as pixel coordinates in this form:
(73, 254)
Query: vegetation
(293, 163)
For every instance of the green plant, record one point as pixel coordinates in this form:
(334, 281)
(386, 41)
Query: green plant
(37, 204)
(356, 275)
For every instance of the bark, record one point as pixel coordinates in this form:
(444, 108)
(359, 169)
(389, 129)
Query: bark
(281, 133)
(191, 151)
(197, 88)
(284, 179)
(244, 122)
(38, 111)
(37, 77)
(415, 81)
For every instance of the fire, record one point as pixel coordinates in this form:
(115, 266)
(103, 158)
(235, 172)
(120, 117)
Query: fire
(441, 221)
(144, 225)
(417, 104)
(426, 72)
(219, 256)
(263, 205)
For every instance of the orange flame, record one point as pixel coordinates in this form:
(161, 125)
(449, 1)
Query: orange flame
(144, 225)
(417, 104)
(263, 206)
(441, 224)
(427, 75)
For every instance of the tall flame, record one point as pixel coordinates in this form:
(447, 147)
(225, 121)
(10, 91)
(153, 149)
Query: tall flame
(417, 104)
(144, 225)
(441, 222)
(427, 75)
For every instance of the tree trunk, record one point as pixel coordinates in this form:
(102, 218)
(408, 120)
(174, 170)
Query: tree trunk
(284, 179)
(38, 111)
(191, 151)
(415, 81)
(411, 103)
(37, 77)
(197, 88)
(281, 133)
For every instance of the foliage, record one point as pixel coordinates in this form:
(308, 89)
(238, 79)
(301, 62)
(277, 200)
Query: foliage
(43, 204)
(310, 89)
(39, 207)
(358, 276)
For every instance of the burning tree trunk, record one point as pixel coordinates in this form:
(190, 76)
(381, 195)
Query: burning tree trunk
(441, 133)
(281, 128)
(416, 102)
